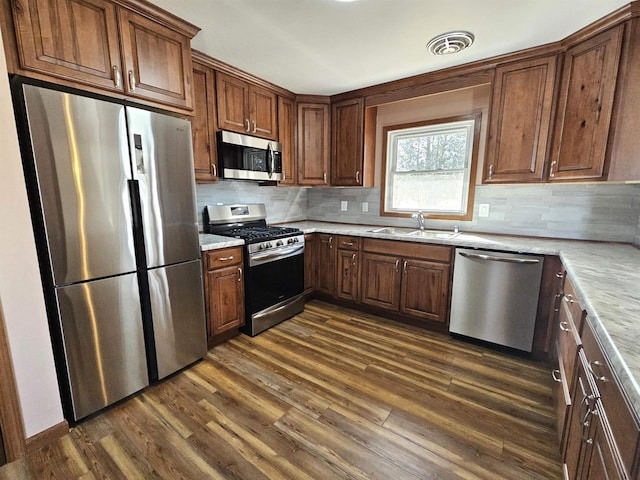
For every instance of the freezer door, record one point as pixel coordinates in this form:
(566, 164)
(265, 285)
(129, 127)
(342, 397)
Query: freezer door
(82, 173)
(162, 159)
(104, 345)
(177, 307)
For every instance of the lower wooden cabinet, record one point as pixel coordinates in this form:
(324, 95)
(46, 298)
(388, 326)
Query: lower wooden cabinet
(224, 291)
(381, 280)
(599, 433)
(309, 262)
(425, 290)
(348, 272)
(413, 279)
(326, 264)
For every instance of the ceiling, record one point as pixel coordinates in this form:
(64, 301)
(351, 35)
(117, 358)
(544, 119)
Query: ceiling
(326, 46)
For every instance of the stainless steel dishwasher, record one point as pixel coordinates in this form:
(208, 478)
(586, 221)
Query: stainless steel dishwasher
(495, 296)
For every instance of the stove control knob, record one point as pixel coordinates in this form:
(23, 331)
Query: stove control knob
(279, 243)
(268, 245)
(261, 246)
(290, 240)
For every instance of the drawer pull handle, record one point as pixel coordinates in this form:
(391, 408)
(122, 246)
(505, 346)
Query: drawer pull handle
(559, 275)
(556, 302)
(353, 260)
(117, 77)
(397, 265)
(132, 81)
(347, 244)
(404, 267)
(569, 298)
(555, 374)
(226, 259)
(597, 364)
(564, 326)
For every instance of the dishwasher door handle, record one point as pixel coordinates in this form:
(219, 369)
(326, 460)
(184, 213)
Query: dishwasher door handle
(500, 259)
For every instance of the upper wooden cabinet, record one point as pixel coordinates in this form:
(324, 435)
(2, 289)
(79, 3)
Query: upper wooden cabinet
(100, 44)
(313, 143)
(246, 108)
(287, 138)
(584, 110)
(347, 138)
(520, 121)
(203, 128)
(156, 61)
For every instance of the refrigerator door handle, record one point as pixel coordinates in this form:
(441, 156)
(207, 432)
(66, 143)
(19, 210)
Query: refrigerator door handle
(137, 144)
(134, 194)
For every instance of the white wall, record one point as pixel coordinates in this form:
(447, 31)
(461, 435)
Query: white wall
(20, 287)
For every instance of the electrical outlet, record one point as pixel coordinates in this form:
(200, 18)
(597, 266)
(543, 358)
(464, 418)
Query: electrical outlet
(483, 210)
(365, 206)
(343, 206)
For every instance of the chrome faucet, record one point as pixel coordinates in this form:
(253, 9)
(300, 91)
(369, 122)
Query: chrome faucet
(420, 217)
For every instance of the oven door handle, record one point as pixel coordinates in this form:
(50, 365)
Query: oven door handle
(271, 256)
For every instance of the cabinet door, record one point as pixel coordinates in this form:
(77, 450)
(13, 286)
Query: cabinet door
(520, 121)
(72, 39)
(326, 264)
(602, 462)
(313, 144)
(233, 98)
(347, 279)
(225, 292)
(287, 137)
(205, 160)
(157, 61)
(425, 290)
(584, 107)
(309, 262)
(380, 281)
(263, 112)
(347, 142)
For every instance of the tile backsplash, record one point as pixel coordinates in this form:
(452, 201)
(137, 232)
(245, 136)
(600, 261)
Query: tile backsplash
(580, 211)
(283, 204)
(594, 211)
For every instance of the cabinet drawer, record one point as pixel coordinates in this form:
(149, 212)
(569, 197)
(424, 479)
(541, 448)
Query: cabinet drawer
(624, 426)
(573, 303)
(421, 251)
(568, 340)
(224, 257)
(348, 243)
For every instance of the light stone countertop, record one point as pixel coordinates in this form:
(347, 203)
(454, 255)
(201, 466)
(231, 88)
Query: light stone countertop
(216, 242)
(606, 277)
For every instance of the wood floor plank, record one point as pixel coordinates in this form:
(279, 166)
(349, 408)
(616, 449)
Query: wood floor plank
(329, 394)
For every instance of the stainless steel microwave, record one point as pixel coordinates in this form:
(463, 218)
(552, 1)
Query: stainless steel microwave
(249, 158)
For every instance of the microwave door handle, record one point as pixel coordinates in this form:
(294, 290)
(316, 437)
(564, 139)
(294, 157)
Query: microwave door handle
(270, 162)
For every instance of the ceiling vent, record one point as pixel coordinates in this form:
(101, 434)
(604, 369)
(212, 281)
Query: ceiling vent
(451, 42)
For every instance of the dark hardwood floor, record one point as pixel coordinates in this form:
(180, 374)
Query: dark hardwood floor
(331, 393)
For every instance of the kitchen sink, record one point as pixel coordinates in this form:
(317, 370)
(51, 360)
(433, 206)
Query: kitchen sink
(390, 230)
(432, 234)
(405, 232)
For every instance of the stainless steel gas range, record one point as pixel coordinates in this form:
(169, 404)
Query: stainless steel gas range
(274, 262)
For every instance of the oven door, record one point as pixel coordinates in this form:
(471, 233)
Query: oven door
(274, 277)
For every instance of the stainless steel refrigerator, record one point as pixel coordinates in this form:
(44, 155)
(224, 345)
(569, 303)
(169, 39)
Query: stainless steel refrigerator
(111, 191)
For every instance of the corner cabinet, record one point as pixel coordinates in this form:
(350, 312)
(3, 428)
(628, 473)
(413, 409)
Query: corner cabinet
(520, 125)
(246, 108)
(203, 127)
(313, 143)
(224, 291)
(347, 139)
(106, 46)
(585, 106)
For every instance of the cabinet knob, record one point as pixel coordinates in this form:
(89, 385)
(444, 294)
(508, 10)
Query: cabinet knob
(564, 326)
(555, 374)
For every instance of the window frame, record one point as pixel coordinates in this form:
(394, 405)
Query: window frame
(473, 167)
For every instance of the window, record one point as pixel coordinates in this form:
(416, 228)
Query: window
(430, 166)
